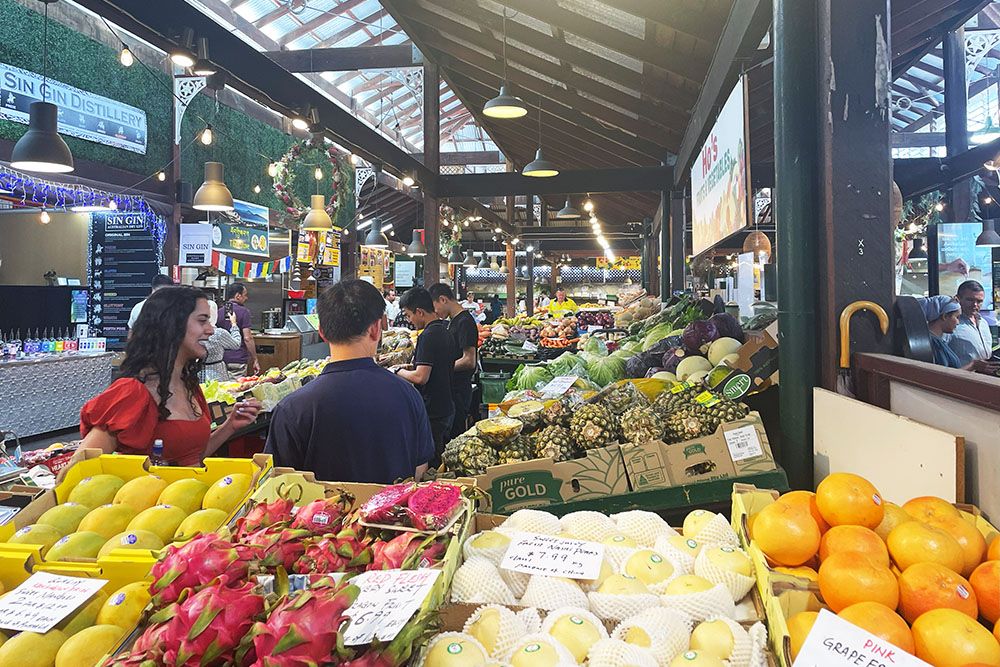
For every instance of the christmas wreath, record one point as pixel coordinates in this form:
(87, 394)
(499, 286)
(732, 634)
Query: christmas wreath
(285, 176)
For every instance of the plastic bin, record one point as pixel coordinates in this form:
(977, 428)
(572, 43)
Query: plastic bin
(494, 386)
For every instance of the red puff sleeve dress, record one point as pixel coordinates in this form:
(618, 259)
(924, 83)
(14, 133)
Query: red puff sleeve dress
(129, 412)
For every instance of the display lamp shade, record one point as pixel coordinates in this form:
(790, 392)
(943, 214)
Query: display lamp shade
(918, 252)
(989, 237)
(568, 212)
(540, 167)
(455, 256)
(183, 55)
(213, 195)
(317, 219)
(416, 247)
(483, 263)
(470, 259)
(493, 264)
(203, 66)
(505, 105)
(758, 243)
(376, 238)
(41, 148)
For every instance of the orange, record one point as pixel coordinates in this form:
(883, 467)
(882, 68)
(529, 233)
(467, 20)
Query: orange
(985, 581)
(926, 586)
(993, 553)
(894, 515)
(806, 500)
(847, 499)
(846, 578)
(799, 626)
(915, 542)
(880, 621)
(968, 537)
(853, 538)
(787, 534)
(949, 638)
(996, 630)
(803, 572)
(928, 508)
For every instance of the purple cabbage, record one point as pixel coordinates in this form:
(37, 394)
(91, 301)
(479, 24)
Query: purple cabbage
(637, 365)
(727, 326)
(671, 358)
(699, 334)
(653, 371)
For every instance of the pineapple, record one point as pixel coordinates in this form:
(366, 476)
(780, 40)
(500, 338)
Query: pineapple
(594, 426)
(469, 456)
(641, 425)
(558, 412)
(694, 420)
(517, 450)
(555, 442)
(624, 397)
(669, 401)
(527, 412)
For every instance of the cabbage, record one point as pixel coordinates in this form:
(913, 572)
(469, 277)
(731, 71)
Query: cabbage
(589, 358)
(567, 363)
(607, 370)
(637, 365)
(698, 335)
(728, 326)
(532, 377)
(623, 354)
(632, 347)
(671, 358)
(595, 345)
(653, 371)
(655, 335)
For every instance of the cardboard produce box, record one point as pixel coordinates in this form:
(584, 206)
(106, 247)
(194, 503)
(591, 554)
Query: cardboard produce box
(757, 366)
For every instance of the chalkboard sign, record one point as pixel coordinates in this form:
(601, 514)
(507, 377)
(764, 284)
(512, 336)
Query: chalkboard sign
(122, 265)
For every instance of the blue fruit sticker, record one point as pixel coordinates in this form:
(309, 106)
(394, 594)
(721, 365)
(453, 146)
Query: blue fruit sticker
(129, 539)
(117, 599)
(63, 540)
(321, 518)
(226, 481)
(23, 531)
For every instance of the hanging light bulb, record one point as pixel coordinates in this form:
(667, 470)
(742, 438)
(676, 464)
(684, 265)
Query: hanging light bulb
(505, 105)
(125, 56)
(162, 176)
(317, 219)
(305, 121)
(465, 223)
(256, 189)
(939, 206)
(183, 55)
(540, 167)
(588, 205)
(213, 195)
(272, 169)
(318, 174)
(758, 243)
(44, 217)
(206, 135)
(408, 181)
(354, 159)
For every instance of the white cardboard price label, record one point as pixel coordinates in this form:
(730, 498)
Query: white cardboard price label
(528, 346)
(387, 600)
(833, 642)
(743, 443)
(554, 557)
(44, 599)
(559, 385)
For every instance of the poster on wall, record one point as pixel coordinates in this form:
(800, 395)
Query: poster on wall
(243, 231)
(122, 265)
(960, 259)
(82, 114)
(195, 245)
(331, 248)
(405, 272)
(720, 176)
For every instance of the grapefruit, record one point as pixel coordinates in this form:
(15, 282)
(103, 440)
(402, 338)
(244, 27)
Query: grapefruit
(915, 542)
(985, 581)
(968, 537)
(802, 572)
(846, 578)
(993, 553)
(930, 508)
(799, 626)
(847, 499)
(880, 621)
(894, 515)
(787, 534)
(926, 586)
(949, 638)
(806, 500)
(853, 538)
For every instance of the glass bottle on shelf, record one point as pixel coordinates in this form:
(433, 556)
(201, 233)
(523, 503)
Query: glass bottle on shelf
(156, 456)
(60, 343)
(71, 344)
(17, 345)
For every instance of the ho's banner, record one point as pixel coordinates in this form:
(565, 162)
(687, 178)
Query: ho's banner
(82, 114)
(244, 231)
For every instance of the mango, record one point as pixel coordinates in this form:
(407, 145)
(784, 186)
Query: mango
(140, 493)
(96, 491)
(85, 616)
(161, 520)
(124, 607)
(65, 518)
(87, 647)
(131, 539)
(77, 546)
(227, 493)
(30, 649)
(107, 520)
(184, 493)
(202, 521)
(39, 534)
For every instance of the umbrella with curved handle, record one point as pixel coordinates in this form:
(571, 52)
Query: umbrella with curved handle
(844, 381)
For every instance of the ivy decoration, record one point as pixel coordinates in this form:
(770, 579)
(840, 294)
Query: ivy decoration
(311, 153)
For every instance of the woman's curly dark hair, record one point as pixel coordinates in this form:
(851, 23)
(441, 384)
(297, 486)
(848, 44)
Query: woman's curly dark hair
(156, 338)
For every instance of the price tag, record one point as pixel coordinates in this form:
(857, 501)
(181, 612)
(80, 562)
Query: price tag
(706, 398)
(680, 386)
(554, 557)
(833, 642)
(743, 443)
(387, 600)
(528, 346)
(559, 385)
(44, 600)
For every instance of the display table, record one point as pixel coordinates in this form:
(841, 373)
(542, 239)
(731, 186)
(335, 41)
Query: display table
(46, 394)
(278, 350)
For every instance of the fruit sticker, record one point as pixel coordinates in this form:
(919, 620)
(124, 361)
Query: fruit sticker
(321, 518)
(576, 620)
(454, 648)
(532, 648)
(226, 481)
(117, 599)
(129, 538)
(963, 592)
(877, 499)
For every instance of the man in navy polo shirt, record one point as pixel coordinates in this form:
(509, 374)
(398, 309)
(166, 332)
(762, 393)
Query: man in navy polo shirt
(355, 422)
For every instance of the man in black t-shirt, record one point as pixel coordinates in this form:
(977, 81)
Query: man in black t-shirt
(433, 363)
(462, 326)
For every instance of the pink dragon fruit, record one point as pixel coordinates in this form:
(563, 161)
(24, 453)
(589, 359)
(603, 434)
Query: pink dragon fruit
(345, 552)
(264, 515)
(147, 651)
(195, 564)
(304, 628)
(277, 547)
(205, 630)
(325, 516)
(431, 507)
(388, 506)
(408, 551)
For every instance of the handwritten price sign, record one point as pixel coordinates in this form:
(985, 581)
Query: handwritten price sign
(833, 642)
(387, 600)
(554, 557)
(44, 600)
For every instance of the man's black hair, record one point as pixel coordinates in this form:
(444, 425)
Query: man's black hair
(970, 286)
(234, 290)
(160, 280)
(417, 298)
(438, 290)
(347, 309)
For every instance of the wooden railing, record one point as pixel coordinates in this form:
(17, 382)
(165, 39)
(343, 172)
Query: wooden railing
(876, 372)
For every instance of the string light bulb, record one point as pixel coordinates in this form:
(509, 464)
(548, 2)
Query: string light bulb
(44, 217)
(318, 174)
(256, 189)
(465, 223)
(354, 159)
(939, 206)
(161, 176)
(987, 199)
(272, 169)
(588, 206)
(112, 204)
(126, 57)
(408, 181)
(206, 135)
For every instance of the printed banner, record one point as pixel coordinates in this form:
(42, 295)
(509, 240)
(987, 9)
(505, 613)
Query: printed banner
(196, 244)
(623, 263)
(82, 114)
(243, 231)
(235, 267)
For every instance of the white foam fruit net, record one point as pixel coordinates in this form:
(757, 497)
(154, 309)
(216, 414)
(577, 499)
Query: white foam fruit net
(590, 526)
(666, 631)
(463, 643)
(552, 593)
(509, 629)
(607, 569)
(742, 644)
(758, 643)
(530, 643)
(642, 526)
(717, 531)
(531, 521)
(616, 556)
(737, 584)
(716, 601)
(492, 554)
(577, 615)
(683, 559)
(516, 581)
(531, 619)
(616, 653)
(619, 607)
(478, 580)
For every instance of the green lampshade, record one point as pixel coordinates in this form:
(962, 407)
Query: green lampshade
(213, 195)
(41, 149)
(455, 257)
(505, 105)
(540, 167)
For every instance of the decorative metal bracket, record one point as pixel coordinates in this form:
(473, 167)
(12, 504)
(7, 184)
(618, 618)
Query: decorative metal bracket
(361, 176)
(185, 89)
(978, 44)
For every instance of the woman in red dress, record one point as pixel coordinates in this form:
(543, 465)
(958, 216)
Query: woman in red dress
(158, 396)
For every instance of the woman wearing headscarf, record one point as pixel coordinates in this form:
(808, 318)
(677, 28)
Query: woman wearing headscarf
(942, 315)
(226, 336)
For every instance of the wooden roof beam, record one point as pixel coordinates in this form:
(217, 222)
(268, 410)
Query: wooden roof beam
(672, 15)
(595, 181)
(347, 58)
(319, 21)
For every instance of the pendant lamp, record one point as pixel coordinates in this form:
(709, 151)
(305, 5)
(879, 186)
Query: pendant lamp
(568, 212)
(317, 219)
(213, 195)
(503, 266)
(918, 251)
(455, 257)
(989, 237)
(483, 263)
(540, 167)
(758, 243)
(376, 238)
(41, 149)
(203, 66)
(493, 264)
(416, 247)
(470, 259)
(505, 105)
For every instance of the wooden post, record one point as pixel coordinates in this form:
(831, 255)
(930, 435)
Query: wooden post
(529, 292)
(956, 115)
(554, 278)
(511, 308)
(648, 257)
(432, 157)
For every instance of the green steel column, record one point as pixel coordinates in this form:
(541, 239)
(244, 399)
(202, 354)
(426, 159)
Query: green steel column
(797, 215)
(665, 223)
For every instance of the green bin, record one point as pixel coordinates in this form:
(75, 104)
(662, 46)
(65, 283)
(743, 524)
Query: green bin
(494, 386)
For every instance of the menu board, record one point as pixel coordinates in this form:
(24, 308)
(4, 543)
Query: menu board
(122, 265)
(960, 259)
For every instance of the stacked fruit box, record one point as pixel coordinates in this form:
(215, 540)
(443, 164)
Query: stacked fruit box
(917, 575)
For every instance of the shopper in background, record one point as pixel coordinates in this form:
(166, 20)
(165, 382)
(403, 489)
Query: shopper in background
(433, 364)
(496, 309)
(354, 422)
(240, 360)
(475, 308)
(562, 305)
(544, 300)
(225, 337)
(159, 280)
(942, 313)
(158, 396)
(972, 340)
(391, 306)
(463, 329)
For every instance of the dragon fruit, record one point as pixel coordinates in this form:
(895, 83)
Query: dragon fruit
(195, 564)
(277, 547)
(325, 516)
(304, 628)
(147, 650)
(408, 551)
(388, 506)
(345, 552)
(431, 507)
(400, 649)
(264, 515)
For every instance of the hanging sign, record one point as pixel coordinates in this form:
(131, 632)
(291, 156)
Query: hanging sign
(625, 263)
(196, 244)
(81, 114)
(244, 231)
(331, 248)
(45, 599)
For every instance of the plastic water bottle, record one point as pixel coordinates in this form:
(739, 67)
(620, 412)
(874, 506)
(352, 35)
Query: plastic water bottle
(156, 456)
